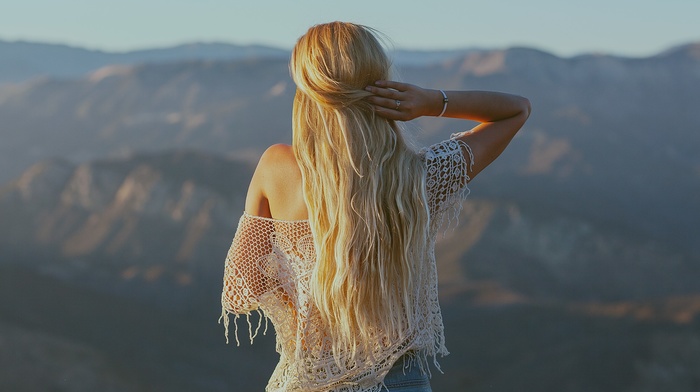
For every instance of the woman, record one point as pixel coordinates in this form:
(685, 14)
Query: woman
(336, 244)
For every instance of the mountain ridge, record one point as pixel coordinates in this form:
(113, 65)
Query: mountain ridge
(574, 262)
(157, 221)
(600, 128)
(21, 60)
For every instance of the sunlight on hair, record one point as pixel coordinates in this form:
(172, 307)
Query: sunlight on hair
(368, 210)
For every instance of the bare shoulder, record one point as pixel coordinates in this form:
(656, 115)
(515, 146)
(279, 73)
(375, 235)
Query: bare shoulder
(278, 153)
(275, 165)
(278, 160)
(278, 180)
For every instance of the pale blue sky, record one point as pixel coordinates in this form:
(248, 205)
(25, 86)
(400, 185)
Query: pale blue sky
(563, 27)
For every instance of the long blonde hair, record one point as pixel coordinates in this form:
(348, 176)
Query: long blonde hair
(363, 186)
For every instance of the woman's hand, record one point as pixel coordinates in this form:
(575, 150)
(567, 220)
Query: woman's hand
(500, 115)
(403, 101)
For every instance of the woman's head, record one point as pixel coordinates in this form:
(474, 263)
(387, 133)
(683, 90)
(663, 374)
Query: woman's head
(332, 63)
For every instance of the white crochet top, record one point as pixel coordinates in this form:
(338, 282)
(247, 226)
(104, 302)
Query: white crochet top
(268, 268)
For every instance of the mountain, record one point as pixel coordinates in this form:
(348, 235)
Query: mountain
(609, 137)
(57, 336)
(573, 266)
(158, 223)
(402, 58)
(116, 110)
(615, 134)
(22, 60)
(138, 226)
(110, 273)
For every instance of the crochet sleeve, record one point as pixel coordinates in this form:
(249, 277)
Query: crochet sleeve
(448, 164)
(244, 279)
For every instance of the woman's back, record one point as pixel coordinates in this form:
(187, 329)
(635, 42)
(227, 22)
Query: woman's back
(270, 264)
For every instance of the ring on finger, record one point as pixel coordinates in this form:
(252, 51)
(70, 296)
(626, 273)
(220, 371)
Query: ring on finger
(398, 103)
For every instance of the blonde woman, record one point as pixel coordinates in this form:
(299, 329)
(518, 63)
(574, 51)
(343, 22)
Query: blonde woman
(336, 243)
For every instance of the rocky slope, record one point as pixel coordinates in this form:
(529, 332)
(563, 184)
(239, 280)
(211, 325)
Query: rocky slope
(143, 223)
(110, 275)
(609, 137)
(573, 266)
(167, 218)
(22, 60)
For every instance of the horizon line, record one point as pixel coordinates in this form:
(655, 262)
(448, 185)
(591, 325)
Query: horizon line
(163, 46)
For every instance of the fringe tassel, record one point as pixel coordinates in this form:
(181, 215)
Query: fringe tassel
(251, 335)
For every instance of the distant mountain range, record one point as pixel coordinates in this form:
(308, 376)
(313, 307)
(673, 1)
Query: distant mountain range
(575, 263)
(618, 133)
(114, 267)
(164, 220)
(23, 60)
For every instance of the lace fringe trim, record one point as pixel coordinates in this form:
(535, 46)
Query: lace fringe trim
(251, 334)
(410, 359)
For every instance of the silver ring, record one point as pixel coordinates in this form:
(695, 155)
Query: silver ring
(398, 103)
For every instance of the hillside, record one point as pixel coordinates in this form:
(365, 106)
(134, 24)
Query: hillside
(88, 340)
(131, 247)
(609, 137)
(166, 219)
(574, 265)
(140, 225)
(21, 60)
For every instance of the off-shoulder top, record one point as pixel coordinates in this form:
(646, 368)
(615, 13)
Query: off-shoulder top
(268, 268)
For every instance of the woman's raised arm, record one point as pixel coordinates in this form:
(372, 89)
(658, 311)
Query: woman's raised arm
(501, 115)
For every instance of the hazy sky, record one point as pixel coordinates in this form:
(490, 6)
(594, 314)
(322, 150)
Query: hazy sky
(564, 27)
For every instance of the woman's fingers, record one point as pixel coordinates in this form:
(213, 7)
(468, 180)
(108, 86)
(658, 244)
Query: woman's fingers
(390, 110)
(384, 92)
(392, 84)
(394, 100)
(385, 102)
(390, 114)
